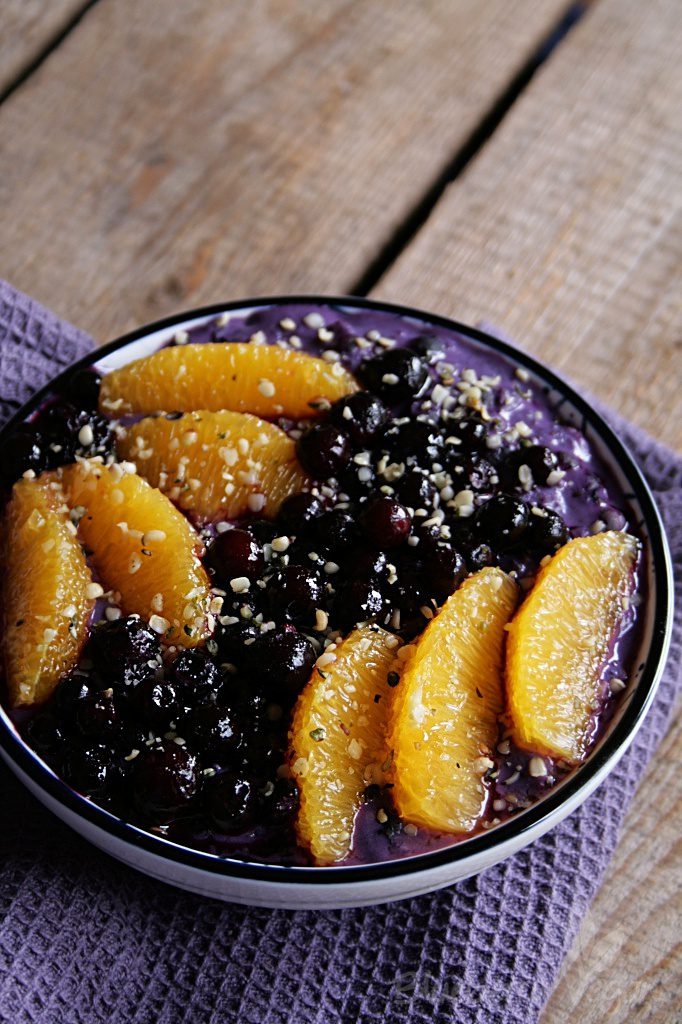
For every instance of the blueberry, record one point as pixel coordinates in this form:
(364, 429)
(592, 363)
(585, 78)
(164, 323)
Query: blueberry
(45, 734)
(231, 800)
(323, 450)
(357, 481)
(502, 521)
(158, 702)
(476, 473)
(280, 805)
(67, 432)
(165, 780)
(235, 553)
(385, 522)
(479, 556)
(429, 346)
(416, 441)
(368, 563)
(540, 460)
(124, 652)
(547, 532)
(247, 698)
(282, 660)
(294, 594)
(213, 732)
(20, 453)
(396, 375)
(470, 430)
(263, 530)
(91, 768)
(336, 529)
(97, 715)
(362, 416)
(444, 569)
(415, 489)
(196, 676)
(233, 639)
(299, 511)
(359, 601)
(71, 690)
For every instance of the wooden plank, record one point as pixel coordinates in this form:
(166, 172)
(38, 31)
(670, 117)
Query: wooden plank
(567, 229)
(27, 28)
(172, 154)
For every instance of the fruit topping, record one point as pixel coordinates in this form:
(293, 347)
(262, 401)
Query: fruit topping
(396, 375)
(48, 595)
(444, 722)
(262, 379)
(216, 464)
(143, 549)
(338, 739)
(560, 640)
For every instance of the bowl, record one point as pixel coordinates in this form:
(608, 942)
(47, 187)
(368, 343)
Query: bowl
(297, 887)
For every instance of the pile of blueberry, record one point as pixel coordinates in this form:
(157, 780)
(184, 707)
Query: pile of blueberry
(159, 741)
(64, 428)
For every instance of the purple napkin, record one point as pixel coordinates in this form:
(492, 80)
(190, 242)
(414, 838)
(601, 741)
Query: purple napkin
(84, 939)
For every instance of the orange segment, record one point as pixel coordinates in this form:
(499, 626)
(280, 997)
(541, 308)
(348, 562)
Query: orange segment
(142, 547)
(263, 379)
(216, 463)
(559, 641)
(338, 739)
(46, 607)
(446, 708)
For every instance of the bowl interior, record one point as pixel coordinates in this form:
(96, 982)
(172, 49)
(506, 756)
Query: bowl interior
(647, 656)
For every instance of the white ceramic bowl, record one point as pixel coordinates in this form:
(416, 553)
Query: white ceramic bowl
(273, 885)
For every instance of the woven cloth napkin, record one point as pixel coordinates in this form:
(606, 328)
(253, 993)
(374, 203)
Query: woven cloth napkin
(85, 939)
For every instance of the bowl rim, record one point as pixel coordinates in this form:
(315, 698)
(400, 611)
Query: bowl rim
(539, 814)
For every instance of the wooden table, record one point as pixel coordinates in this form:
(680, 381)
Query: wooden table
(505, 160)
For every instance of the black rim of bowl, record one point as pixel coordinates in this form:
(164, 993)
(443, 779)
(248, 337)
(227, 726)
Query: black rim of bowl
(516, 827)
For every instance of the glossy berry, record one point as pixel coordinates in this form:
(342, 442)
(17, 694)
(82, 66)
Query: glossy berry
(213, 732)
(417, 441)
(97, 715)
(415, 489)
(540, 460)
(195, 675)
(158, 702)
(547, 532)
(336, 530)
(470, 430)
(263, 530)
(429, 346)
(280, 806)
(294, 594)
(21, 452)
(246, 697)
(67, 432)
(444, 569)
(396, 375)
(502, 521)
(476, 473)
(165, 780)
(231, 800)
(70, 691)
(362, 416)
(235, 553)
(283, 661)
(124, 651)
(479, 556)
(323, 450)
(359, 601)
(45, 734)
(91, 768)
(368, 563)
(385, 522)
(357, 481)
(298, 512)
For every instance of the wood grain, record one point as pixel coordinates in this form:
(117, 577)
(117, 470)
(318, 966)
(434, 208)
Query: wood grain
(627, 962)
(27, 27)
(168, 155)
(566, 230)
